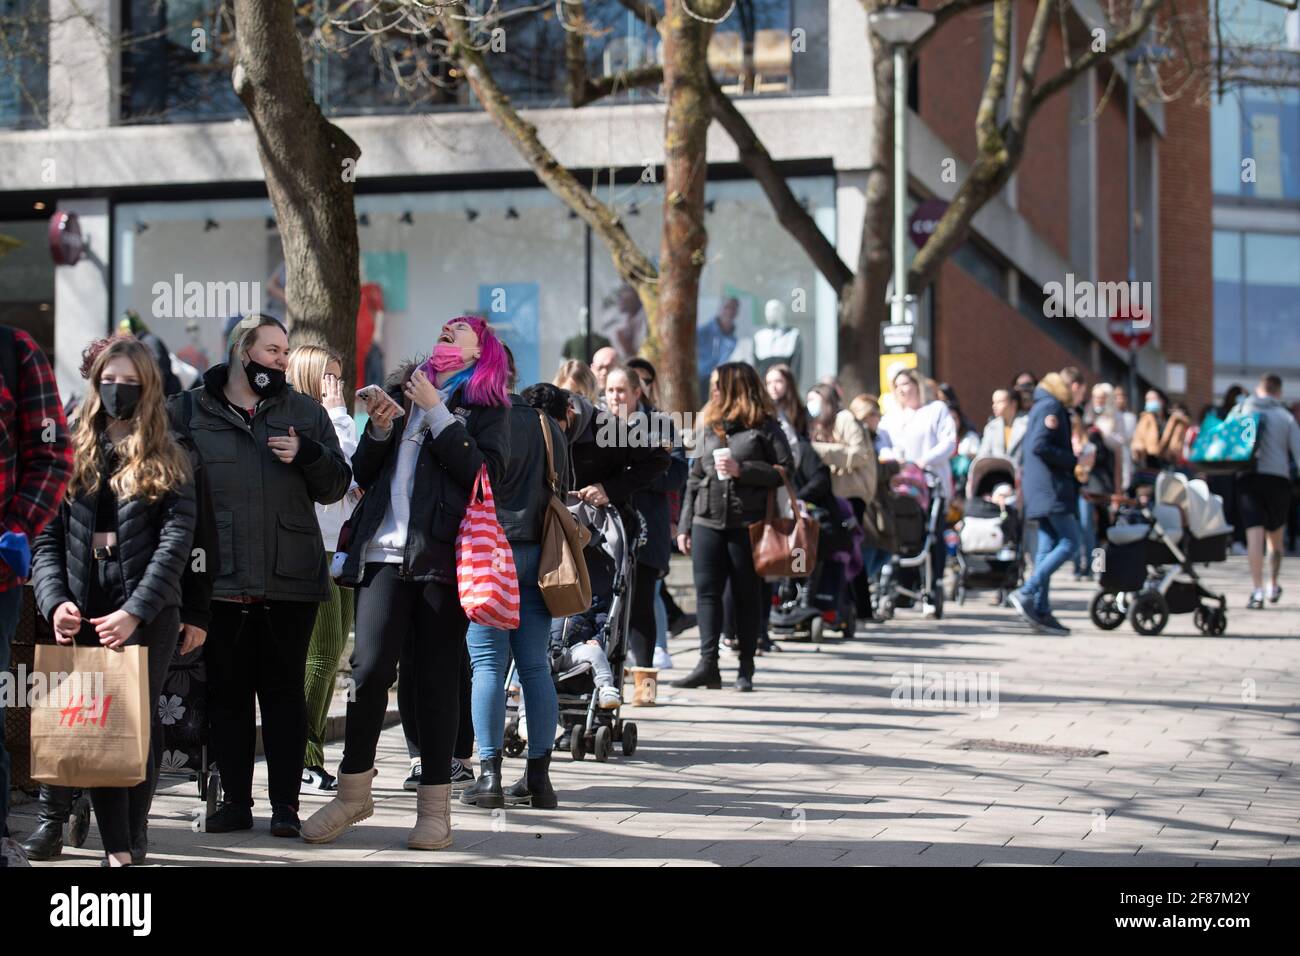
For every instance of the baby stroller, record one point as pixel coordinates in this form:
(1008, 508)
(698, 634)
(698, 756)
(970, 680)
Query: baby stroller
(991, 548)
(919, 511)
(803, 607)
(611, 563)
(1148, 572)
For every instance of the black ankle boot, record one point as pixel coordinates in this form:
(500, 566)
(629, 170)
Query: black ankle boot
(46, 841)
(705, 674)
(534, 789)
(486, 791)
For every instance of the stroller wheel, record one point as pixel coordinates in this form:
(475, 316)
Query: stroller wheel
(601, 747)
(1211, 621)
(577, 742)
(1105, 610)
(1148, 613)
(815, 628)
(629, 739)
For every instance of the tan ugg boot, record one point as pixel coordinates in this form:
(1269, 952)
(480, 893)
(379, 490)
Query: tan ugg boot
(352, 804)
(647, 686)
(432, 818)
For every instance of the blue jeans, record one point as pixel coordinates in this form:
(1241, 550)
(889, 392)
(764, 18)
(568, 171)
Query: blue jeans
(11, 606)
(1058, 541)
(489, 650)
(1088, 536)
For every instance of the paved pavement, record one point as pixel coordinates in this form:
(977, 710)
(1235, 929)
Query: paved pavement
(825, 765)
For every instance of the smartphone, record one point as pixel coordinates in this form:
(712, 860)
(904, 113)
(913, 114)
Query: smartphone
(374, 390)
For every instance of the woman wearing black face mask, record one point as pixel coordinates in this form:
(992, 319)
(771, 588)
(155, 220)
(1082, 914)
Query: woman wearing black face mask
(107, 571)
(270, 454)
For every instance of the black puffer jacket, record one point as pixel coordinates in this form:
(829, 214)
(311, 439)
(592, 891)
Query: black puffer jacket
(620, 459)
(522, 494)
(652, 501)
(444, 476)
(735, 502)
(153, 549)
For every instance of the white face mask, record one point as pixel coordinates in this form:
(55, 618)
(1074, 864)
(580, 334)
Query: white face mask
(814, 406)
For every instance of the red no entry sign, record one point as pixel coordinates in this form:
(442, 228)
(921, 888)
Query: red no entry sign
(1130, 328)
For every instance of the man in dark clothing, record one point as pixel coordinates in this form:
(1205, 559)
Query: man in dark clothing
(1050, 495)
(35, 465)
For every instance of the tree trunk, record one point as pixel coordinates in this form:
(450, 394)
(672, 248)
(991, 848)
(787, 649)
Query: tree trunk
(310, 166)
(682, 249)
(863, 306)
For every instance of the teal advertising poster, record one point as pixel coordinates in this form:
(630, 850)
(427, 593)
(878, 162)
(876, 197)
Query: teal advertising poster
(389, 270)
(512, 309)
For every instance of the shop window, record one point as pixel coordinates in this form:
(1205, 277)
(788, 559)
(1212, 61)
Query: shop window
(1257, 301)
(24, 95)
(1256, 143)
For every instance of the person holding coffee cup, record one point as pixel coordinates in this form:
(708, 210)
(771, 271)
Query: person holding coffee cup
(738, 454)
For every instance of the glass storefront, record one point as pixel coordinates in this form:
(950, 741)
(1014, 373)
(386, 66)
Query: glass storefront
(516, 256)
(1256, 301)
(24, 47)
(27, 280)
(176, 57)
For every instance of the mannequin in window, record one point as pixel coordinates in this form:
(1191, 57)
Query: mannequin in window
(779, 342)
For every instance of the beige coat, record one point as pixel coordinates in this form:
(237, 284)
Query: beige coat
(851, 459)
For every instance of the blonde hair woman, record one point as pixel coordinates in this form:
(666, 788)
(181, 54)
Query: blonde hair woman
(317, 372)
(107, 570)
(577, 377)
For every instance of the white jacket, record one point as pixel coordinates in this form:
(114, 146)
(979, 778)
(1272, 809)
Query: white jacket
(925, 436)
(331, 517)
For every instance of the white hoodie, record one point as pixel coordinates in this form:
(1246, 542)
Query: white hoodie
(331, 517)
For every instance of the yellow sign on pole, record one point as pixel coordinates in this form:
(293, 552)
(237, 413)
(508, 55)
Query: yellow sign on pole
(904, 359)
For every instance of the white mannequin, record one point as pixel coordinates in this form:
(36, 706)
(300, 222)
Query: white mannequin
(779, 342)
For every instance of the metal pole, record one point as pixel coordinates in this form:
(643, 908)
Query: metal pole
(900, 182)
(1132, 230)
(586, 286)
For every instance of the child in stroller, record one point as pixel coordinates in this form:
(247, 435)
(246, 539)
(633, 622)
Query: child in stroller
(919, 513)
(990, 551)
(588, 650)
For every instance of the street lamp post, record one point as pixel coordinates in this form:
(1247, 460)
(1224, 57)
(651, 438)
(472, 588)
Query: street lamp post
(900, 27)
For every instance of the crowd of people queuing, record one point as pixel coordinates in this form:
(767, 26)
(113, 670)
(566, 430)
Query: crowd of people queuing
(315, 531)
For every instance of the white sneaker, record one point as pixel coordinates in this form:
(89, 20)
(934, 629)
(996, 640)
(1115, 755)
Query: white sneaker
(663, 660)
(1238, 548)
(609, 697)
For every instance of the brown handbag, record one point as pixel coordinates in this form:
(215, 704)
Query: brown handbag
(562, 573)
(784, 547)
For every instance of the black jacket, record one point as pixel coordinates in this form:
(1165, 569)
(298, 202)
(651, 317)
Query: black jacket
(738, 502)
(269, 540)
(812, 478)
(620, 460)
(522, 494)
(652, 501)
(153, 551)
(444, 476)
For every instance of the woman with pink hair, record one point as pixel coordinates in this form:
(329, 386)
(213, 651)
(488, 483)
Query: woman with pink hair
(401, 558)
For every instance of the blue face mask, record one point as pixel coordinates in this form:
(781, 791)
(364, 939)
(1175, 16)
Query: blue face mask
(1153, 407)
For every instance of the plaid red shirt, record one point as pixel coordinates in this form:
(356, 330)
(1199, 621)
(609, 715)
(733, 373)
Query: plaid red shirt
(35, 454)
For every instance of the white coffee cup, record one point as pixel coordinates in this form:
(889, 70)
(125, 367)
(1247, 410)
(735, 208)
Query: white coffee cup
(721, 455)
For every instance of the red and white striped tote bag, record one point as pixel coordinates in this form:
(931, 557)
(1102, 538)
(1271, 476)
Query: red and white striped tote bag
(485, 564)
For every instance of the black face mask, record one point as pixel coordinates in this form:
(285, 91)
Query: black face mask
(266, 382)
(119, 400)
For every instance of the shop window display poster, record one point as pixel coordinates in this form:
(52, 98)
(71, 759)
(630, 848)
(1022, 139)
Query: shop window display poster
(512, 309)
(388, 269)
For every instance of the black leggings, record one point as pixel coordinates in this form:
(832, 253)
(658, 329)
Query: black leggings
(719, 558)
(642, 630)
(122, 812)
(408, 709)
(391, 611)
(258, 653)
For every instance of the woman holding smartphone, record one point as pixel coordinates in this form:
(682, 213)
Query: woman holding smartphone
(107, 570)
(401, 557)
(318, 373)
